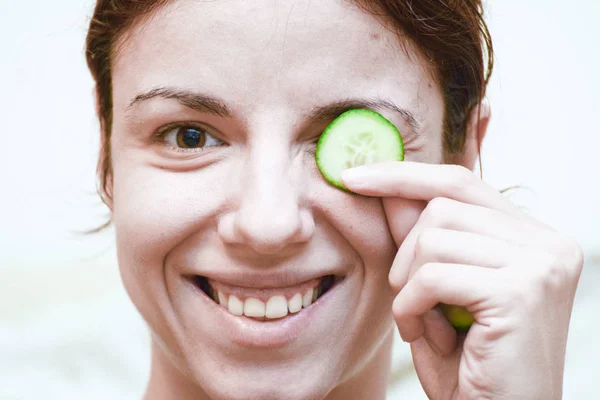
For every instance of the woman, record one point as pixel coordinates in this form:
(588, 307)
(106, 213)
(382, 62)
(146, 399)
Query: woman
(259, 280)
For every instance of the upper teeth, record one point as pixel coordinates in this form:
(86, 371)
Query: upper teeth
(276, 307)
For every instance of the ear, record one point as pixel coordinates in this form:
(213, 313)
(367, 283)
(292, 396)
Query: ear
(476, 130)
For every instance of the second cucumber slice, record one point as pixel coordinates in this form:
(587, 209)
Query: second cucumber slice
(355, 138)
(459, 317)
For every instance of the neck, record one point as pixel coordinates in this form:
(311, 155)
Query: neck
(372, 380)
(167, 382)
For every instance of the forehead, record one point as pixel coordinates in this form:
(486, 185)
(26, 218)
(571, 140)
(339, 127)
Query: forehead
(271, 53)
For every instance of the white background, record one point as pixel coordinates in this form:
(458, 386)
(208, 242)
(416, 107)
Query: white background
(62, 309)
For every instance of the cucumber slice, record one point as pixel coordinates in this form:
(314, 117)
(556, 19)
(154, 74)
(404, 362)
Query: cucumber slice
(459, 317)
(355, 138)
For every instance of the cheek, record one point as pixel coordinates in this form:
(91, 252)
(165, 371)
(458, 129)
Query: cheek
(154, 208)
(153, 211)
(360, 222)
(361, 225)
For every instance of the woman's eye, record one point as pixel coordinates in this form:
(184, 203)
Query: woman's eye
(190, 137)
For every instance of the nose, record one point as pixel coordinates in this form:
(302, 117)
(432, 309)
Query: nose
(268, 218)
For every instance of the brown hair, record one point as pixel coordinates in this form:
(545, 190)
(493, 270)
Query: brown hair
(452, 35)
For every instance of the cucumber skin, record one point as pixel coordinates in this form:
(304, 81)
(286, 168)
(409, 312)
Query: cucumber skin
(323, 138)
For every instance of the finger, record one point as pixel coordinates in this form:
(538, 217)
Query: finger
(453, 247)
(421, 181)
(402, 215)
(434, 283)
(458, 247)
(453, 215)
(439, 333)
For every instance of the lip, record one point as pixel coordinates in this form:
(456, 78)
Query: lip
(248, 332)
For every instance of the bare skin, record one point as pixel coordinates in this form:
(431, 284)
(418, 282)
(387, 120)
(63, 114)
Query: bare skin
(251, 210)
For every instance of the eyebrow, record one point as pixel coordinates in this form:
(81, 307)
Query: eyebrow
(195, 101)
(209, 104)
(333, 110)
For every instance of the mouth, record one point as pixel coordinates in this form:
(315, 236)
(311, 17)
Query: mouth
(263, 304)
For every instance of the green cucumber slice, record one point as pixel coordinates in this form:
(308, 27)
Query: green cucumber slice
(357, 137)
(459, 317)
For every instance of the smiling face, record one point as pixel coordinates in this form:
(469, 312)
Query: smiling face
(217, 197)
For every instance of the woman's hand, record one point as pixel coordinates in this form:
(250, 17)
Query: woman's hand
(472, 247)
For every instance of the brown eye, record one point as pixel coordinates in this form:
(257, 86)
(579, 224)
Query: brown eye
(188, 137)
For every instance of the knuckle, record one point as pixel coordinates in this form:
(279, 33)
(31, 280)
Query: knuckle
(574, 256)
(461, 178)
(427, 277)
(397, 310)
(554, 277)
(569, 254)
(436, 210)
(549, 272)
(426, 241)
(397, 279)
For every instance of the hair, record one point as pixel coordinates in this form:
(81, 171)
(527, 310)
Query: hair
(451, 34)
(454, 38)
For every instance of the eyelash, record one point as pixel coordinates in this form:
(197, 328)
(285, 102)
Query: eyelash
(162, 133)
(312, 145)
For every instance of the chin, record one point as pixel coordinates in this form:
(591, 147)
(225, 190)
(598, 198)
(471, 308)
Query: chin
(294, 380)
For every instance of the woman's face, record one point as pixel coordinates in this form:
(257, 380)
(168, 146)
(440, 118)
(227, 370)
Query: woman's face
(217, 109)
